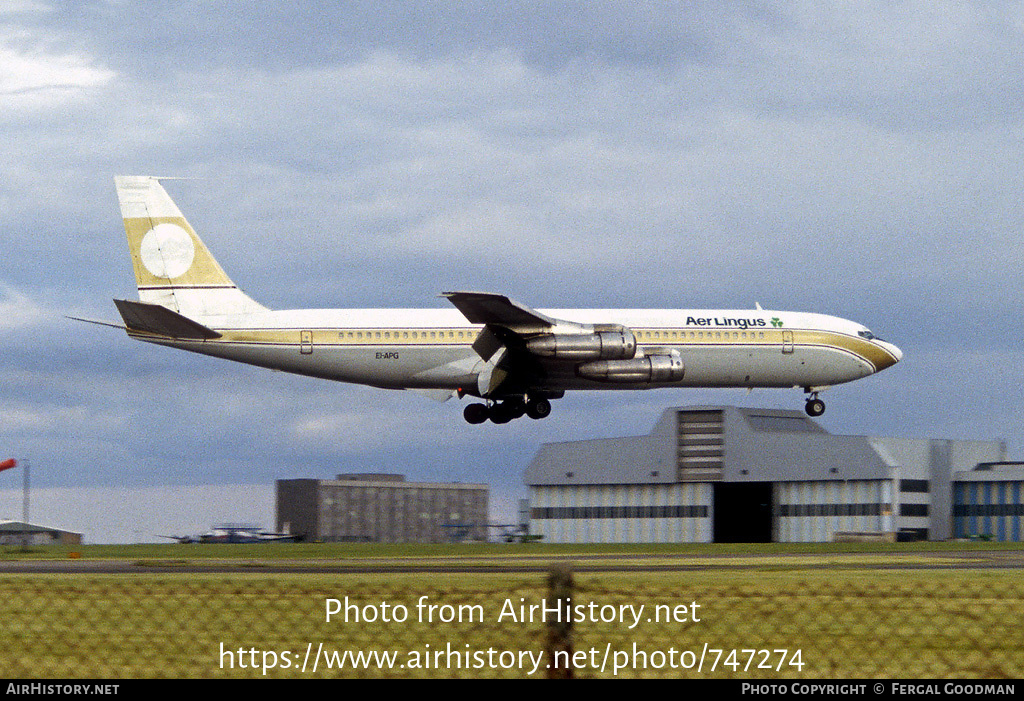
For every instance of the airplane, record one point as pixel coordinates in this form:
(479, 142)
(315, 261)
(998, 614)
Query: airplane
(512, 358)
(235, 533)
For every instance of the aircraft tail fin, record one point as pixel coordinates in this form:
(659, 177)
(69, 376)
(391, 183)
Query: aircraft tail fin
(173, 268)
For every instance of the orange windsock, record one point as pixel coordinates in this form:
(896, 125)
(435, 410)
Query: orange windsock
(8, 464)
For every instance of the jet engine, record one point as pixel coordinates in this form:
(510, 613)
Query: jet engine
(657, 367)
(607, 342)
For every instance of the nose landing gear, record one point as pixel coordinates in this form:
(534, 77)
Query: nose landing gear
(814, 406)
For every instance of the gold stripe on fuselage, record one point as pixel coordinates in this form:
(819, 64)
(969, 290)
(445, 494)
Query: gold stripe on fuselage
(863, 349)
(878, 357)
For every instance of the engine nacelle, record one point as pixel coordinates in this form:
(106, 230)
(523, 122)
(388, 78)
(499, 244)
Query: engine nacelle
(606, 343)
(664, 367)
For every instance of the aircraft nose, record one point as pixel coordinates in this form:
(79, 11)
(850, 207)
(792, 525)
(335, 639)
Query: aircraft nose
(892, 350)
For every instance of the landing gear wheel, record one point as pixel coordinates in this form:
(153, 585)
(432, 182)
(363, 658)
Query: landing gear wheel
(500, 413)
(475, 413)
(538, 408)
(515, 408)
(814, 407)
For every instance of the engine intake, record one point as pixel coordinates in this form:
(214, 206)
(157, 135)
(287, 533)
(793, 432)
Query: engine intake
(665, 367)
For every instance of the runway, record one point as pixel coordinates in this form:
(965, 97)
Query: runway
(493, 564)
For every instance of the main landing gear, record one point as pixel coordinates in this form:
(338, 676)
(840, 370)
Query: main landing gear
(504, 411)
(814, 406)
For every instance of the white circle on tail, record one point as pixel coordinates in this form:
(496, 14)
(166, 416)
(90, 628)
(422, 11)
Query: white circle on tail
(167, 251)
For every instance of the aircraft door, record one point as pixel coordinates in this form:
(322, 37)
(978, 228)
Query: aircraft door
(306, 342)
(787, 341)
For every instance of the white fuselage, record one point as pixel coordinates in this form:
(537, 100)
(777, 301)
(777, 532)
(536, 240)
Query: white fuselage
(432, 349)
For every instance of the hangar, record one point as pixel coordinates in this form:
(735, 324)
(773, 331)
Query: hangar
(730, 474)
(21, 533)
(987, 502)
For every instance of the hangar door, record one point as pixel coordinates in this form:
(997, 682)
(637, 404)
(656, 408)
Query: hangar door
(743, 512)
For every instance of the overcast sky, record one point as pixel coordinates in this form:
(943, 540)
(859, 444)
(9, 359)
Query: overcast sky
(859, 159)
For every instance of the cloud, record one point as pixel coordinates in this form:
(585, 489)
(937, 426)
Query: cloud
(36, 71)
(18, 310)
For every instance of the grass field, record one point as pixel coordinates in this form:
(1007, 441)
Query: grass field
(853, 621)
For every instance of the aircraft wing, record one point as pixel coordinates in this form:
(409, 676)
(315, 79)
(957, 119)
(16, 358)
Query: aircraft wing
(498, 310)
(501, 344)
(507, 323)
(522, 348)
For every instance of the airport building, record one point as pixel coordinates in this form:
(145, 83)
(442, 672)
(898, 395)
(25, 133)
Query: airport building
(727, 474)
(988, 502)
(20, 533)
(381, 508)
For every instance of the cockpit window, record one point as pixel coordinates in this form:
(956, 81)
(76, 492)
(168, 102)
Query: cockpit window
(864, 334)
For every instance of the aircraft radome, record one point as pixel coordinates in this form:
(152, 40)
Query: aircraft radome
(514, 358)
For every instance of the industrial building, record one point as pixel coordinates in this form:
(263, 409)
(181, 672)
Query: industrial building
(381, 508)
(729, 474)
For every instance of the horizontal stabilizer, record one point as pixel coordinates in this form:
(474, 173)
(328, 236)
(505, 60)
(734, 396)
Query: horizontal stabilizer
(155, 319)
